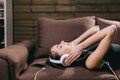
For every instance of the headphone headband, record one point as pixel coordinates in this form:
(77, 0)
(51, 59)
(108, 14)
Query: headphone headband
(61, 61)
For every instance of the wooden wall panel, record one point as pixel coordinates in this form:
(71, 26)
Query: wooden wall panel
(27, 12)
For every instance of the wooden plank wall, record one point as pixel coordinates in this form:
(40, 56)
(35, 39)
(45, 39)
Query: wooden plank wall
(27, 12)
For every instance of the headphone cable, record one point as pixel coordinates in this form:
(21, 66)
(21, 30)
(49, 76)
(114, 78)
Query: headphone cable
(115, 75)
(42, 69)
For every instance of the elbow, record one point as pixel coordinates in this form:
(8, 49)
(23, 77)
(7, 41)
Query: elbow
(97, 28)
(92, 65)
(89, 65)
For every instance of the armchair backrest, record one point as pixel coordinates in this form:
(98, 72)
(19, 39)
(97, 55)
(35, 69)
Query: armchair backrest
(51, 32)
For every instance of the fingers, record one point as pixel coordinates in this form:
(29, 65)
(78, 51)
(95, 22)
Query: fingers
(70, 59)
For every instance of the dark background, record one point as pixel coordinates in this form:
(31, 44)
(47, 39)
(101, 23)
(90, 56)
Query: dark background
(27, 12)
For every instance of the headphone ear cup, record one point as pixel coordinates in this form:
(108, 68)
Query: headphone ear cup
(61, 61)
(63, 57)
(55, 61)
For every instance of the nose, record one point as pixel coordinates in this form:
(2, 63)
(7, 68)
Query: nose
(62, 42)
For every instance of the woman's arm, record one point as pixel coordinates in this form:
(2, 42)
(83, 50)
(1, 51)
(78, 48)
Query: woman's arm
(105, 36)
(86, 34)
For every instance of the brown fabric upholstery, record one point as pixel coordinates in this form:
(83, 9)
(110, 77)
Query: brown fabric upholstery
(17, 56)
(104, 23)
(71, 73)
(51, 32)
(4, 69)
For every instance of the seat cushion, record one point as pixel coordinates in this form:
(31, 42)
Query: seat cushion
(104, 23)
(51, 32)
(70, 73)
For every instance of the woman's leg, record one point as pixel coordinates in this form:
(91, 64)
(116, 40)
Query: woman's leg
(105, 36)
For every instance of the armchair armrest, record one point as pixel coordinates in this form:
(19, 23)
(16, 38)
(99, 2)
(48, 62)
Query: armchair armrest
(16, 55)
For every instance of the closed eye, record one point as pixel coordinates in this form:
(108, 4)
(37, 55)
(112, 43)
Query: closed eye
(59, 46)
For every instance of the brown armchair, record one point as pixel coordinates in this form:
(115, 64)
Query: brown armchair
(22, 60)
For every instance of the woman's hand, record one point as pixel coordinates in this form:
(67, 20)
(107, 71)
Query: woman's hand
(73, 56)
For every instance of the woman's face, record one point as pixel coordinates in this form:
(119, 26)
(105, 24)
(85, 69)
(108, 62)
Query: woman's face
(62, 48)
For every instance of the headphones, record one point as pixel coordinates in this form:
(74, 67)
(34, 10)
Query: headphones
(61, 61)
